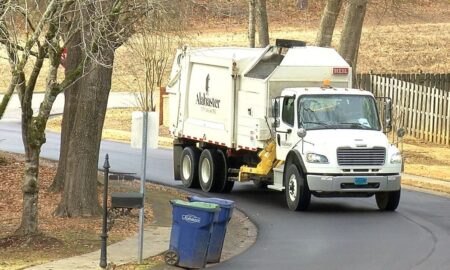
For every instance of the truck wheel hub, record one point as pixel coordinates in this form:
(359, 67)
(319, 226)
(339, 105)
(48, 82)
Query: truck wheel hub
(206, 171)
(292, 188)
(187, 164)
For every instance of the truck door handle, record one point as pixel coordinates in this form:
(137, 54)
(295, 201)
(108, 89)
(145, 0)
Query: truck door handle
(289, 131)
(278, 139)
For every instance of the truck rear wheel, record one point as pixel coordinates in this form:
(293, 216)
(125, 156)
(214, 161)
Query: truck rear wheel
(388, 201)
(221, 181)
(211, 171)
(225, 186)
(296, 189)
(228, 187)
(189, 167)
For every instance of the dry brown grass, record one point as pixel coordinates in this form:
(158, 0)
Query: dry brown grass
(415, 38)
(427, 159)
(117, 126)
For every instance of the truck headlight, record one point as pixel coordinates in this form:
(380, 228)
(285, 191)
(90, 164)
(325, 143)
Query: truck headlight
(396, 158)
(316, 158)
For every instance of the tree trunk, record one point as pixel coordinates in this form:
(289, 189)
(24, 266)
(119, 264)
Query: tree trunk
(29, 222)
(263, 25)
(74, 56)
(80, 188)
(251, 23)
(328, 22)
(351, 34)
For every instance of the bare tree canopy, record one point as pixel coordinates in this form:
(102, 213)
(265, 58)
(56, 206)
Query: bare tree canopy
(40, 39)
(36, 33)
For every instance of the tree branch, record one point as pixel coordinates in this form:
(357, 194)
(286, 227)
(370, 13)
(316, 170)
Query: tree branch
(51, 9)
(7, 96)
(18, 47)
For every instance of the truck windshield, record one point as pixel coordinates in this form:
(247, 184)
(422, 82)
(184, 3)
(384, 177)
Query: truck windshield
(338, 111)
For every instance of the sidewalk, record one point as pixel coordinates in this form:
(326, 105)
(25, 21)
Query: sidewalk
(241, 234)
(156, 241)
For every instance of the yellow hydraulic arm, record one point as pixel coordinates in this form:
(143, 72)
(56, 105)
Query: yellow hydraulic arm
(268, 161)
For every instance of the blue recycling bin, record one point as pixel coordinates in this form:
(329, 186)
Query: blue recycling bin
(191, 230)
(219, 227)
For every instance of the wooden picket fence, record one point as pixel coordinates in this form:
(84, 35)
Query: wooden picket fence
(421, 102)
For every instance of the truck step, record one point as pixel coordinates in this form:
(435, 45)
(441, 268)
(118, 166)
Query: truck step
(233, 170)
(236, 179)
(279, 169)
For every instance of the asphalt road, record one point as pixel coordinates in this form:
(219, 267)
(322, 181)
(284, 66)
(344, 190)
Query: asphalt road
(344, 233)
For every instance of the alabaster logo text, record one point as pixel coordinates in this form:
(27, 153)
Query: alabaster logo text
(203, 99)
(190, 218)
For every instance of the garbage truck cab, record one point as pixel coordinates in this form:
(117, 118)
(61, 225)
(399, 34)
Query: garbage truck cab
(332, 144)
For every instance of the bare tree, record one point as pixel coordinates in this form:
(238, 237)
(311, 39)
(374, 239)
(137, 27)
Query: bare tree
(263, 24)
(111, 24)
(351, 33)
(251, 23)
(152, 52)
(328, 22)
(42, 42)
(157, 35)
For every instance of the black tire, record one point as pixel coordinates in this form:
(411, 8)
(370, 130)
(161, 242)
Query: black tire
(296, 189)
(222, 177)
(228, 187)
(210, 170)
(259, 184)
(388, 201)
(177, 150)
(189, 167)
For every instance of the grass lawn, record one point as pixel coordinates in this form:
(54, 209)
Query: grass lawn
(405, 41)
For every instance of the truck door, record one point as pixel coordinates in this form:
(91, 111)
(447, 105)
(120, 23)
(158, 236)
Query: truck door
(285, 131)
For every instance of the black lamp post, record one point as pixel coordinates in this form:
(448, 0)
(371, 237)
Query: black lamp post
(104, 236)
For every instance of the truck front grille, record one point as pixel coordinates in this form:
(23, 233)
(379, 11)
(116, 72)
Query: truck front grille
(361, 157)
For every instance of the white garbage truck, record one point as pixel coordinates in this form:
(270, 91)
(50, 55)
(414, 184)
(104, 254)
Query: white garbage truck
(285, 117)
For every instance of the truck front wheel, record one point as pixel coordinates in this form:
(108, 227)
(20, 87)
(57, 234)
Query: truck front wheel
(189, 167)
(388, 201)
(211, 171)
(296, 189)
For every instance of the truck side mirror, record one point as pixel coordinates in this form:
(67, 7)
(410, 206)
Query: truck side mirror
(388, 115)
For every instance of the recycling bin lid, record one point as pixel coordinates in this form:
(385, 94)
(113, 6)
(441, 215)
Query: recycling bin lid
(210, 207)
(221, 202)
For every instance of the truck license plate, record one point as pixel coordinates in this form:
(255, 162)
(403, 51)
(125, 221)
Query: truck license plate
(359, 181)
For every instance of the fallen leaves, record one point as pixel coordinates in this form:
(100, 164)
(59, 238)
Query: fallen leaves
(59, 237)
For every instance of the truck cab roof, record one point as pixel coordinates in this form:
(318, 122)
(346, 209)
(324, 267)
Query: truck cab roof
(298, 91)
